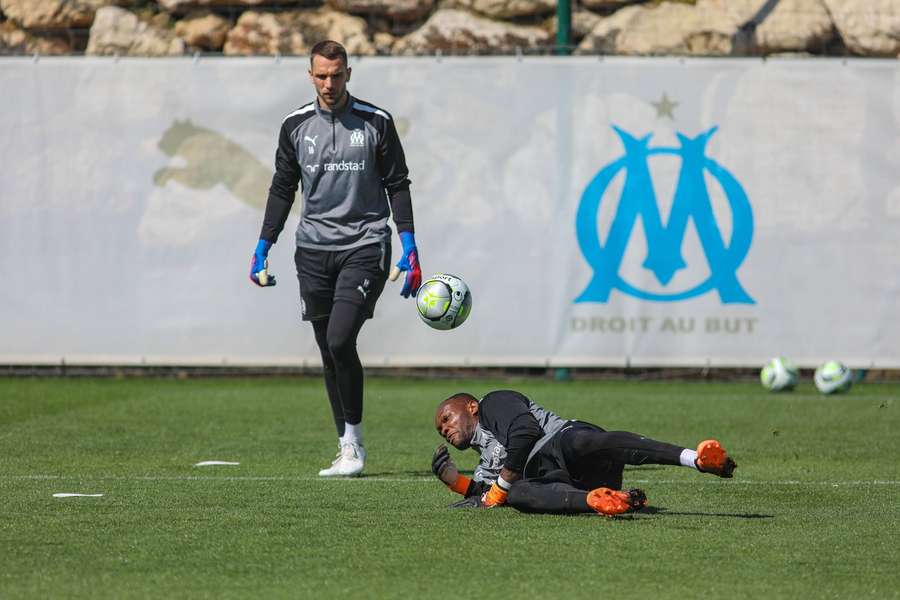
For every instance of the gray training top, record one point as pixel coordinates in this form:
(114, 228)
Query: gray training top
(345, 161)
(499, 414)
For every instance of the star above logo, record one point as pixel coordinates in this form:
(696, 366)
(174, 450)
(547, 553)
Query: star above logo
(665, 107)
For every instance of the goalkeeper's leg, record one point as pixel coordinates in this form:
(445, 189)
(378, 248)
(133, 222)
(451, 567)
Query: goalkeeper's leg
(587, 450)
(343, 329)
(555, 494)
(360, 281)
(584, 444)
(343, 371)
(320, 327)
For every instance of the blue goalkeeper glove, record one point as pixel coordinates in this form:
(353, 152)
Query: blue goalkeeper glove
(259, 265)
(410, 264)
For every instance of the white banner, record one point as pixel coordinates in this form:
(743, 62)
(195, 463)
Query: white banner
(603, 212)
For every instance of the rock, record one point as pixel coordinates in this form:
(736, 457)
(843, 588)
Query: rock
(384, 42)
(783, 26)
(605, 5)
(160, 20)
(714, 27)
(327, 24)
(52, 14)
(203, 30)
(295, 32)
(454, 30)
(117, 31)
(17, 41)
(184, 6)
(504, 9)
(400, 10)
(870, 28)
(264, 33)
(665, 29)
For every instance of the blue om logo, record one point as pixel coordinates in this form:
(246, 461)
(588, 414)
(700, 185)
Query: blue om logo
(664, 242)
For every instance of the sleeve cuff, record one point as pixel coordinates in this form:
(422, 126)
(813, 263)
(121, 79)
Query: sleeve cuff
(461, 486)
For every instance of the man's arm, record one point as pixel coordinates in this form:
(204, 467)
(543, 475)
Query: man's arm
(507, 416)
(395, 179)
(284, 186)
(281, 196)
(395, 176)
(444, 468)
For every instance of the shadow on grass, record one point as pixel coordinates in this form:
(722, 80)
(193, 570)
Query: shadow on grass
(662, 511)
(643, 514)
(398, 474)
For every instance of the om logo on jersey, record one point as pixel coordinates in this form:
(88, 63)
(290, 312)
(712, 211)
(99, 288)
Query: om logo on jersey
(664, 242)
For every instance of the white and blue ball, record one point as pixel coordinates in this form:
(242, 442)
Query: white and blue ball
(833, 377)
(779, 374)
(444, 301)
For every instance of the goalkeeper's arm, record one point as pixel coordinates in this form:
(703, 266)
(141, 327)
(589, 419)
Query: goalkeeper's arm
(445, 469)
(520, 434)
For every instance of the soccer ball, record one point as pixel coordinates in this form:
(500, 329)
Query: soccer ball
(833, 377)
(444, 301)
(779, 374)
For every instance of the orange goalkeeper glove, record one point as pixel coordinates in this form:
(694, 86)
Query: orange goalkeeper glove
(496, 496)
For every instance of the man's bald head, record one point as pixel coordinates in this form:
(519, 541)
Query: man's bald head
(458, 401)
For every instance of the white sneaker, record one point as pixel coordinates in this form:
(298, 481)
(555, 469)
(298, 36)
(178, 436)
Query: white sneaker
(349, 462)
(332, 471)
(354, 459)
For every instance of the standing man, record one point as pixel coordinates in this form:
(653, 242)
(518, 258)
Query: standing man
(535, 461)
(346, 156)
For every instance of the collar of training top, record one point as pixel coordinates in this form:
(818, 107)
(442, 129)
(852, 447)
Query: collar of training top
(347, 106)
(479, 437)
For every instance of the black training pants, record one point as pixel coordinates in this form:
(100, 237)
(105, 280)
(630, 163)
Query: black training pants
(338, 291)
(336, 338)
(588, 458)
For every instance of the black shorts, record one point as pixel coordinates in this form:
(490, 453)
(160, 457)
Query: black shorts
(356, 276)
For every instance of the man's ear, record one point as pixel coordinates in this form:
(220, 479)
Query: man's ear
(349, 71)
(472, 407)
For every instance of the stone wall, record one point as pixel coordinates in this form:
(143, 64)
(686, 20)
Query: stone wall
(415, 27)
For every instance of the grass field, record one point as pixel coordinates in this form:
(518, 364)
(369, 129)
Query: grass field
(812, 512)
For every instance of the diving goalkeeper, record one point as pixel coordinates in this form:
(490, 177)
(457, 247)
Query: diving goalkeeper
(534, 461)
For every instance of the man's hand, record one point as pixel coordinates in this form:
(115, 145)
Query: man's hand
(409, 264)
(259, 265)
(470, 502)
(445, 469)
(443, 466)
(495, 496)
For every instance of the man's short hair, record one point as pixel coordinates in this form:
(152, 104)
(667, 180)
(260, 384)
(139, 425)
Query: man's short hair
(328, 49)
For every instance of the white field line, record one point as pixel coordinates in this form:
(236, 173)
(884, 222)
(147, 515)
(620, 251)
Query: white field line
(424, 479)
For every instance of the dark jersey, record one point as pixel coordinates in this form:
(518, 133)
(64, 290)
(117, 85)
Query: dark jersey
(511, 431)
(350, 164)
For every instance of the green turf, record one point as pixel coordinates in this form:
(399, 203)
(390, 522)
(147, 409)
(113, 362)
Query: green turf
(812, 512)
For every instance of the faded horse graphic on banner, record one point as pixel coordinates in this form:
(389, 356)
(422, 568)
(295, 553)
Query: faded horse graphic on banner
(211, 159)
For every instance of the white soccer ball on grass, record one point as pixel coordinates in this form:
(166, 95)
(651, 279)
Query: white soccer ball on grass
(833, 377)
(779, 374)
(444, 301)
